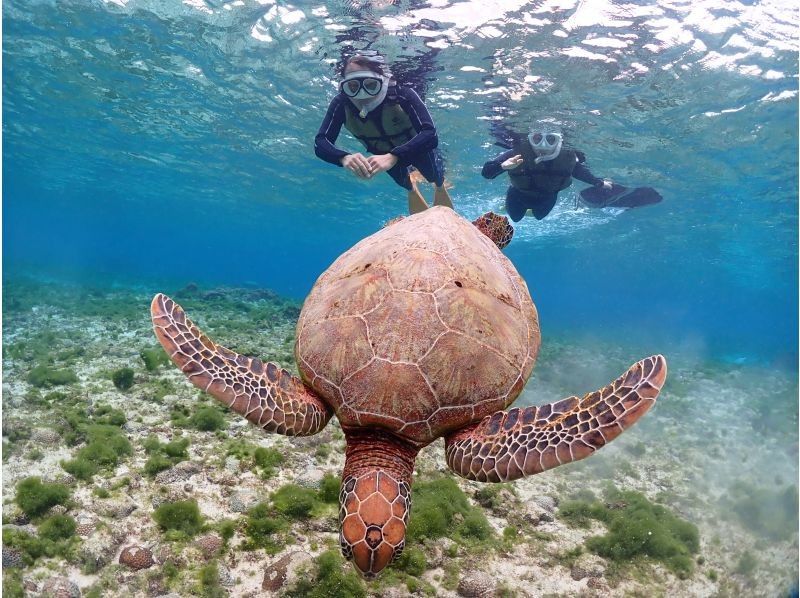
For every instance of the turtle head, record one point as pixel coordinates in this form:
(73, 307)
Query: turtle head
(373, 511)
(375, 498)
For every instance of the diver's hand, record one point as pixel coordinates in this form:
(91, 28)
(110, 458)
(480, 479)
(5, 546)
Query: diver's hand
(382, 162)
(358, 165)
(606, 184)
(512, 162)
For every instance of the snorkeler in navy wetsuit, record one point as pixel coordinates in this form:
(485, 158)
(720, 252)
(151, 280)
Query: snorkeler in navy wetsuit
(538, 168)
(391, 122)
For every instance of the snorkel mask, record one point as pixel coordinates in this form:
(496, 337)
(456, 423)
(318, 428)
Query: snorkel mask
(546, 144)
(366, 88)
(361, 85)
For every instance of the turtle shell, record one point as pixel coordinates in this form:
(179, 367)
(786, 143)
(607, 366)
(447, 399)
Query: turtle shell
(420, 329)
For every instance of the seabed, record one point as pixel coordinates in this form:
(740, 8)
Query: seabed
(122, 479)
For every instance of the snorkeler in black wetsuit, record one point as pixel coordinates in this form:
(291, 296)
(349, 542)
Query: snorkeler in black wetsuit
(538, 168)
(391, 122)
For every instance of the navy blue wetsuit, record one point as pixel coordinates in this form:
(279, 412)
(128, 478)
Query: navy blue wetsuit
(540, 202)
(419, 151)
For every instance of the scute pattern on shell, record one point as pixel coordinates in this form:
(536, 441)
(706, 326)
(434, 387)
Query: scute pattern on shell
(420, 329)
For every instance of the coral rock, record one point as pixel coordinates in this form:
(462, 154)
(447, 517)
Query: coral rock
(60, 477)
(28, 528)
(115, 508)
(209, 545)
(136, 557)
(324, 525)
(85, 525)
(534, 514)
(243, 501)
(281, 572)
(11, 557)
(546, 503)
(598, 583)
(96, 552)
(156, 586)
(223, 479)
(503, 503)
(60, 587)
(180, 473)
(475, 585)
(225, 578)
(15, 515)
(588, 565)
(172, 494)
(45, 436)
(311, 478)
(30, 586)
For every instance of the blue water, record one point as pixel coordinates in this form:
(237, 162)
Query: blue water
(153, 144)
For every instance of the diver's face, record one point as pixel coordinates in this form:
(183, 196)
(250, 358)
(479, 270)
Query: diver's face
(359, 102)
(545, 143)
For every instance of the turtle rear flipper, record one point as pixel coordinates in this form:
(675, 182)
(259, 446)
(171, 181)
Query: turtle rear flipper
(265, 394)
(512, 444)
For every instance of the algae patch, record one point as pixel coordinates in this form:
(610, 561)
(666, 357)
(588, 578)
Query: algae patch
(636, 528)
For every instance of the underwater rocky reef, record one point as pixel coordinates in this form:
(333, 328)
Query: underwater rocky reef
(122, 479)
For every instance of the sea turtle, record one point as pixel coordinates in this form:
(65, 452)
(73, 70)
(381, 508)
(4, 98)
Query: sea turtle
(422, 330)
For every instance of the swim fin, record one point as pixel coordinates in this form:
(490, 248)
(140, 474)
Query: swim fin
(620, 197)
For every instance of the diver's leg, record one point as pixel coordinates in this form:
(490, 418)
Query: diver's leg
(432, 168)
(543, 205)
(515, 206)
(399, 172)
(442, 198)
(416, 203)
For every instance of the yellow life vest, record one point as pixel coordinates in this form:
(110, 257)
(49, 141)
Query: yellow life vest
(384, 129)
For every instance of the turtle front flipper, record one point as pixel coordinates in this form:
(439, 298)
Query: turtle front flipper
(508, 445)
(265, 394)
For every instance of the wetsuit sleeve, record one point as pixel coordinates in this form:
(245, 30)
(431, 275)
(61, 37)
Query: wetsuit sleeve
(582, 173)
(328, 133)
(426, 138)
(492, 168)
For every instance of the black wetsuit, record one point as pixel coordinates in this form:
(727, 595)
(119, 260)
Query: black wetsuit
(418, 151)
(539, 200)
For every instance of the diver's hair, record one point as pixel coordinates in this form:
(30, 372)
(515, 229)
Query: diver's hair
(366, 63)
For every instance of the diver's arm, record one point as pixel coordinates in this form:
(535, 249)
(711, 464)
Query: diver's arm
(582, 173)
(493, 168)
(426, 138)
(328, 132)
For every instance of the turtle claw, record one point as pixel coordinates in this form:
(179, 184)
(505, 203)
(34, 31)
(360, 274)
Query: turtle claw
(265, 394)
(508, 445)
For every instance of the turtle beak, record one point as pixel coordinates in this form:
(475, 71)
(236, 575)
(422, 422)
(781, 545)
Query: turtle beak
(373, 512)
